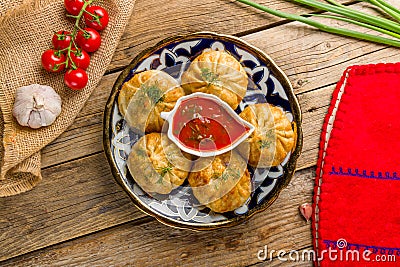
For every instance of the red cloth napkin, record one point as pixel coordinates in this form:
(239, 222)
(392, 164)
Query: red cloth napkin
(357, 191)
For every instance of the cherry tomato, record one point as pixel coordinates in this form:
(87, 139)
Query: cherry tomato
(73, 7)
(76, 79)
(89, 39)
(81, 59)
(61, 40)
(52, 60)
(97, 19)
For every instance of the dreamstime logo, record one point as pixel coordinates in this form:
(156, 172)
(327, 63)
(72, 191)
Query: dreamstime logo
(342, 253)
(341, 243)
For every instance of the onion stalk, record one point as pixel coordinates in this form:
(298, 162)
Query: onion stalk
(376, 23)
(387, 10)
(333, 2)
(359, 24)
(353, 14)
(383, 2)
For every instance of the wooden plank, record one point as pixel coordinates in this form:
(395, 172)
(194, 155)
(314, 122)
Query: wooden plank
(73, 194)
(153, 244)
(311, 59)
(90, 174)
(74, 199)
(66, 208)
(79, 188)
(85, 136)
(314, 106)
(147, 27)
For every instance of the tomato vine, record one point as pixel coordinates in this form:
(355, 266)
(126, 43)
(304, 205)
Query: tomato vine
(71, 48)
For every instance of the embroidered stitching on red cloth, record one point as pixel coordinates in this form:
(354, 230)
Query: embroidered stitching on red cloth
(372, 174)
(364, 174)
(374, 249)
(325, 135)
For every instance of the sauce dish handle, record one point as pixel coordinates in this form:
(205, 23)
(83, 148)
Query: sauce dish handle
(165, 115)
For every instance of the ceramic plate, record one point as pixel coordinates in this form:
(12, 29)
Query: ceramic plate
(267, 83)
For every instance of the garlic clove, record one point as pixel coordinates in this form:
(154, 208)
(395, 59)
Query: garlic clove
(47, 117)
(53, 106)
(306, 210)
(23, 116)
(38, 101)
(35, 121)
(36, 105)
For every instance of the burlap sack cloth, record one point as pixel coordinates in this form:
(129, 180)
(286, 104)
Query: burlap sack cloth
(26, 28)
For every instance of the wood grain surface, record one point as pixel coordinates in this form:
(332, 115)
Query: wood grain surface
(147, 242)
(79, 216)
(310, 58)
(147, 27)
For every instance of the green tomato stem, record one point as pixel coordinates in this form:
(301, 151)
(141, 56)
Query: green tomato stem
(71, 16)
(63, 49)
(72, 62)
(82, 30)
(73, 42)
(75, 32)
(95, 17)
(91, 14)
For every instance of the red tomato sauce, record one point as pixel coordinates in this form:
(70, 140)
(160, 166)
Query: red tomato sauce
(204, 125)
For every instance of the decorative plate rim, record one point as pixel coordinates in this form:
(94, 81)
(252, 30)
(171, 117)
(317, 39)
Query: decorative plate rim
(289, 168)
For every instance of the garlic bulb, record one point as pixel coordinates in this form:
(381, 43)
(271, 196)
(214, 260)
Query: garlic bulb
(36, 105)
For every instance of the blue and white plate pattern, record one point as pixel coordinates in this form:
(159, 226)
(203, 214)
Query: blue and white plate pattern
(180, 206)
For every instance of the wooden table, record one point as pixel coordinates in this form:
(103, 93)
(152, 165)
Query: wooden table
(79, 216)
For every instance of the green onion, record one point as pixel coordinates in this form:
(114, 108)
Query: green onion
(359, 24)
(353, 14)
(386, 4)
(376, 23)
(389, 11)
(333, 2)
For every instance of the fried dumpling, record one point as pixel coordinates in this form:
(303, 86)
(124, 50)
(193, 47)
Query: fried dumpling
(145, 96)
(157, 164)
(217, 73)
(272, 138)
(223, 183)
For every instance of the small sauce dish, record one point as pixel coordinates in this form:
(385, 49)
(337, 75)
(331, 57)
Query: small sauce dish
(204, 125)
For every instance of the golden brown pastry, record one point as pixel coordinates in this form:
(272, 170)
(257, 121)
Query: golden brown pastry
(145, 96)
(222, 184)
(157, 164)
(272, 138)
(217, 73)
